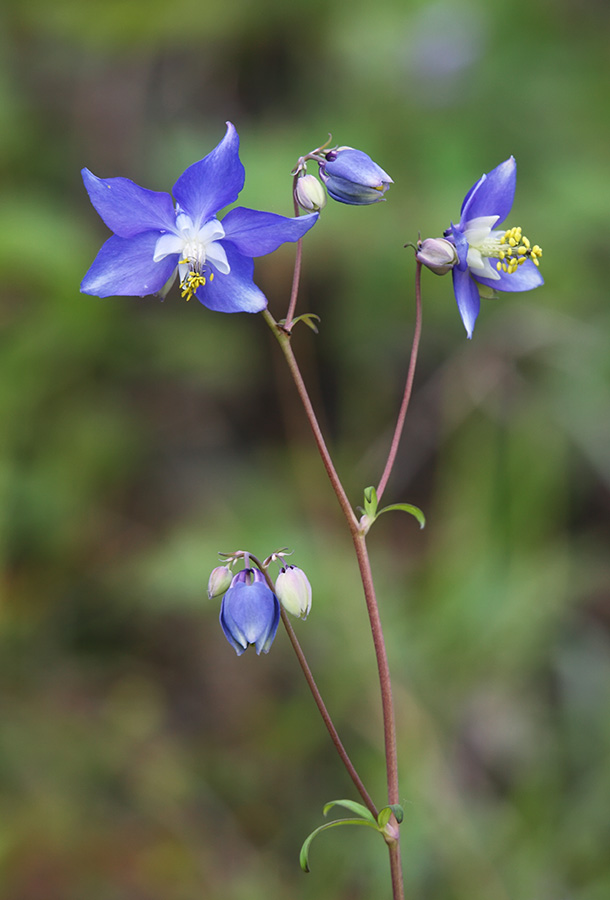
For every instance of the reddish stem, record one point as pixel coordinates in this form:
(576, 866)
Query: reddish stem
(408, 387)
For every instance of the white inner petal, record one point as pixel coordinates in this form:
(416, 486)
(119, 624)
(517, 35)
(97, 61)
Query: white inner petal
(166, 245)
(479, 229)
(480, 265)
(195, 246)
(218, 258)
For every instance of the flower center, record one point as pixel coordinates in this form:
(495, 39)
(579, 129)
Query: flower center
(199, 249)
(511, 248)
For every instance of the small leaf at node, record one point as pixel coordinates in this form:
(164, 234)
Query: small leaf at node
(370, 502)
(408, 508)
(354, 807)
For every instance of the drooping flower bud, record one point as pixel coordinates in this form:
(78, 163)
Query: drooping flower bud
(294, 591)
(220, 581)
(310, 194)
(250, 612)
(350, 176)
(437, 254)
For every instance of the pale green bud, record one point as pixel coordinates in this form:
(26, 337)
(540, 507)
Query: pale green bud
(310, 194)
(437, 254)
(293, 590)
(220, 581)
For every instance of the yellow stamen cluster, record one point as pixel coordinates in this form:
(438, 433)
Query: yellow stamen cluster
(516, 248)
(192, 281)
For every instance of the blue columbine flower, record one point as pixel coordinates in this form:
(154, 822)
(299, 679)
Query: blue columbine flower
(351, 176)
(250, 612)
(152, 240)
(499, 258)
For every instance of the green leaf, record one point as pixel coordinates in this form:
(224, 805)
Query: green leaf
(398, 811)
(354, 807)
(307, 319)
(304, 854)
(408, 508)
(384, 815)
(370, 502)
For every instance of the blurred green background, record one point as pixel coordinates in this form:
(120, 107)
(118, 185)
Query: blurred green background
(139, 758)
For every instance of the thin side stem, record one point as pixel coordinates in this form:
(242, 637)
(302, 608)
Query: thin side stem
(284, 342)
(408, 387)
(353, 774)
(295, 285)
(296, 278)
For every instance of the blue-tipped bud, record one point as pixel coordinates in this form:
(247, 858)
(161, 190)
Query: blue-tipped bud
(294, 591)
(310, 194)
(352, 177)
(250, 612)
(437, 254)
(220, 581)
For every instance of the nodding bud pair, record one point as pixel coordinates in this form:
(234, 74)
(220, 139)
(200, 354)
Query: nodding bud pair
(350, 176)
(250, 610)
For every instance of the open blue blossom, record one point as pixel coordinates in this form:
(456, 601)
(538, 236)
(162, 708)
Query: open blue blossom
(250, 612)
(498, 258)
(153, 240)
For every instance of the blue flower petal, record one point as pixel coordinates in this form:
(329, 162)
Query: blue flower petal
(235, 292)
(525, 278)
(128, 209)
(347, 192)
(461, 246)
(256, 233)
(125, 267)
(467, 296)
(212, 183)
(356, 167)
(250, 614)
(493, 194)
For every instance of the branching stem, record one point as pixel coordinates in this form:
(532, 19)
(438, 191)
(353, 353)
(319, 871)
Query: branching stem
(408, 388)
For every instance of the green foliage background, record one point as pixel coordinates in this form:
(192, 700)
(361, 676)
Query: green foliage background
(139, 758)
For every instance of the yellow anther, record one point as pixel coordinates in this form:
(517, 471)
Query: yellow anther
(513, 249)
(190, 284)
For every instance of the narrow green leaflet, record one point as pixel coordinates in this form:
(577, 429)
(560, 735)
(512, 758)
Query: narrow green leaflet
(354, 807)
(370, 502)
(409, 508)
(367, 819)
(371, 511)
(304, 854)
(307, 318)
(384, 815)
